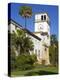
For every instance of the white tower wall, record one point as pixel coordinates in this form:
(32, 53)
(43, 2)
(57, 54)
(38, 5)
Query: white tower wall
(42, 30)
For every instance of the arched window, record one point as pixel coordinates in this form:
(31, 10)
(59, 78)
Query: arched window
(36, 51)
(44, 17)
(45, 49)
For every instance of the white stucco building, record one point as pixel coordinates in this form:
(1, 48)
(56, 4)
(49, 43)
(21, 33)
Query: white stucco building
(40, 36)
(42, 30)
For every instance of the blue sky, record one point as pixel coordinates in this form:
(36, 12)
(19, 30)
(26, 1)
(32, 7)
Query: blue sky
(50, 9)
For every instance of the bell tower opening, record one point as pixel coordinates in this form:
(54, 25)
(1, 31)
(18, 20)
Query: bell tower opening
(44, 17)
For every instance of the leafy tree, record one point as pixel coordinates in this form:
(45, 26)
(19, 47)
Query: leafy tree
(13, 59)
(22, 42)
(25, 61)
(53, 39)
(11, 54)
(26, 12)
(54, 50)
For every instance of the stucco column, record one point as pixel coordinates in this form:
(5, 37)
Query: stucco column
(47, 57)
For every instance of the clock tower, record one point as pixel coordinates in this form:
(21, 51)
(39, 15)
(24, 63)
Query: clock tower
(42, 30)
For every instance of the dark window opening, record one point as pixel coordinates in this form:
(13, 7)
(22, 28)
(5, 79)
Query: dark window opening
(45, 49)
(47, 36)
(38, 52)
(16, 27)
(41, 17)
(44, 17)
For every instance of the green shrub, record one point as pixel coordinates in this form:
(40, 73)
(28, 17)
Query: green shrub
(13, 59)
(25, 62)
(53, 55)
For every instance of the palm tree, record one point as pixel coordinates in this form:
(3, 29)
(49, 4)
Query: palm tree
(26, 12)
(21, 42)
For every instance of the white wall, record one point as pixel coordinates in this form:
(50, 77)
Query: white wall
(37, 46)
(42, 27)
(38, 17)
(11, 27)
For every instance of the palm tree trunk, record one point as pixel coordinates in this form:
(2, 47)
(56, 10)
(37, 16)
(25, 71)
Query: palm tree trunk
(25, 22)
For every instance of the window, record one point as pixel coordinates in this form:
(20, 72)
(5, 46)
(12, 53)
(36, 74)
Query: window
(38, 53)
(47, 36)
(16, 27)
(44, 17)
(45, 49)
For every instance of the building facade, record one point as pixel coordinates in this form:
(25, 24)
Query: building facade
(42, 30)
(40, 36)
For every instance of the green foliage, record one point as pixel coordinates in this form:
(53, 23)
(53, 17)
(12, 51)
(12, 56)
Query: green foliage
(53, 50)
(25, 62)
(53, 39)
(33, 58)
(41, 70)
(25, 11)
(21, 42)
(13, 59)
(52, 54)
